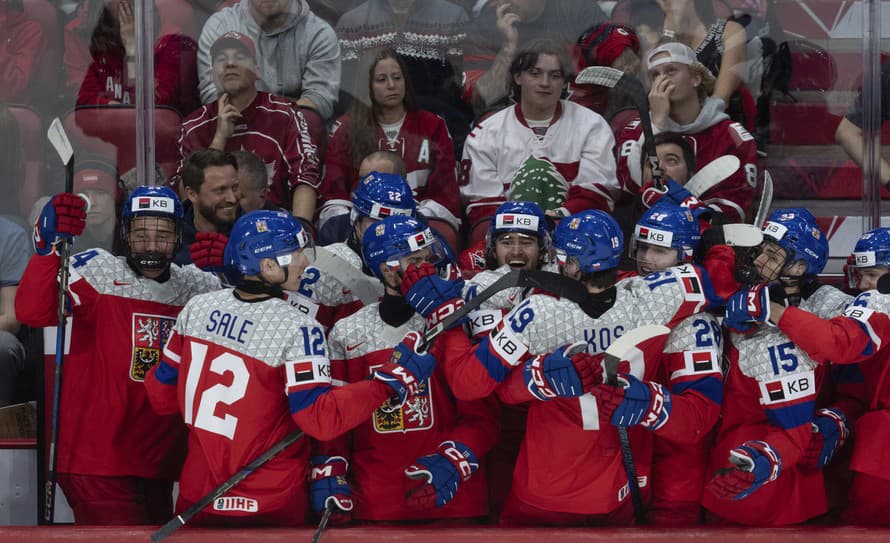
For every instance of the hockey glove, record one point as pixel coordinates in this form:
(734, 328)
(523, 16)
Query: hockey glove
(634, 402)
(754, 464)
(407, 369)
(207, 251)
(328, 485)
(830, 432)
(676, 194)
(62, 218)
(565, 373)
(746, 308)
(430, 295)
(438, 475)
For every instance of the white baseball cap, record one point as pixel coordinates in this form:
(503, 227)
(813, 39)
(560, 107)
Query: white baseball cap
(671, 52)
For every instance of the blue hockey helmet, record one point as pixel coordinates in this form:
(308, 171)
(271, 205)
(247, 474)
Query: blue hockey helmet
(380, 195)
(152, 252)
(795, 230)
(668, 225)
(873, 249)
(265, 234)
(591, 238)
(395, 237)
(519, 217)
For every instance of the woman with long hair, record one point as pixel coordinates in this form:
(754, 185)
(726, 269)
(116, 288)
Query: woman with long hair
(384, 117)
(111, 76)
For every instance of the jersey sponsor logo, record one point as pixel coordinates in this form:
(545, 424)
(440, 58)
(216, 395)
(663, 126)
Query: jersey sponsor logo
(697, 362)
(303, 304)
(416, 414)
(236, 503)
(153, 203)
(788, 388)
(483, 320)
(507, 345)
(517, 220)
(692, 287)
(316, 369)
(149, 335)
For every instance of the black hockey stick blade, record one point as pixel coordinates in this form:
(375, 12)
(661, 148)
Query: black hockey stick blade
(323, 523)
(181, 519)
(551, 282)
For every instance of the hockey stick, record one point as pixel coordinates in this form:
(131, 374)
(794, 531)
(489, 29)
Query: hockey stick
(632, 88)
(617, 351)
(364, 287)
(59, 140)
(711, 174)
(323, 523)
(549, 281)
(766, 200)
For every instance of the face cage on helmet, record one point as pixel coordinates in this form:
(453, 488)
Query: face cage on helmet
(151, 260)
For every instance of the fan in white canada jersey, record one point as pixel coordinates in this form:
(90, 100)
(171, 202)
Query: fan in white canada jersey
(336, 285)
(244, 368)
(116, 459)
(418, 460)
(775, 390)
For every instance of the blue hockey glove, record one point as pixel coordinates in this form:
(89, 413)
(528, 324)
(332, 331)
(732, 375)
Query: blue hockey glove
(430, 295)
(328, 485)
(407, 369)
(62, 218)
(439, 474)
(746, 308)
(634, 402)
(754, 464)
(830, 432)
(566, 372)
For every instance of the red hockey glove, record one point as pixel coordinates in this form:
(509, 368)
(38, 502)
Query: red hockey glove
(407, 369)
(430, 295)
(62, 218)
(830, 432)
(439, 474)
(328, 485)
(746, 308)
(564, 373)
(754, 464)
(207, 251)
(634, 402)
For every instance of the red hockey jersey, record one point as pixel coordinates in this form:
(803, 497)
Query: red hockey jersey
(119, 324)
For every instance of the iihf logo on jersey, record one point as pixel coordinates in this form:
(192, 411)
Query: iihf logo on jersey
(150, 334)
(415, 414)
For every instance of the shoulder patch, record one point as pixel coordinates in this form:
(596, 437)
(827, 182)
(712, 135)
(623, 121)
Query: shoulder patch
(740, 132)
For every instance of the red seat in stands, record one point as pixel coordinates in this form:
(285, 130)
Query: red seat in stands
(31, 131)
(110, 131)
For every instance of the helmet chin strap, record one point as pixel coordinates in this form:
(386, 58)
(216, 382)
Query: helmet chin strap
(140, 263)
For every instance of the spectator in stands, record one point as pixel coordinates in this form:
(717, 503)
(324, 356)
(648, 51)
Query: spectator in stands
(263, 123)
(719, 45)
(111, 76)
(849, 131)
(98, 181)
(676, 158)
(545, 150)
(429, 37)
(210, 182)
(680, 101)
(253, 182)
(605, 44)
(299, 54)
(14, 254)
(21, 50)
(334, 221)
(12, 168)
(392, 122)
(503, 28)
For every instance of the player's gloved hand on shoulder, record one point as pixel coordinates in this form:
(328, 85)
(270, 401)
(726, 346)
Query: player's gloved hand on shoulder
(567, 372)
(830, 432)
(438, 475)
(634, 402)
(62, 217)
(430, 295)
(407, 369)
(207, 251)
(328, 486)
(746, 308)
(672, 192)
(754, 464)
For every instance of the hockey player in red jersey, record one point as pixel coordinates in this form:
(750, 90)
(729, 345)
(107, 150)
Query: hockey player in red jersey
(418, 460)
(569, 470)
(772, 385)
(680, 101)
(667, 235)
(117, 460)
(858, 337)
(244, 368)
(337, 287)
